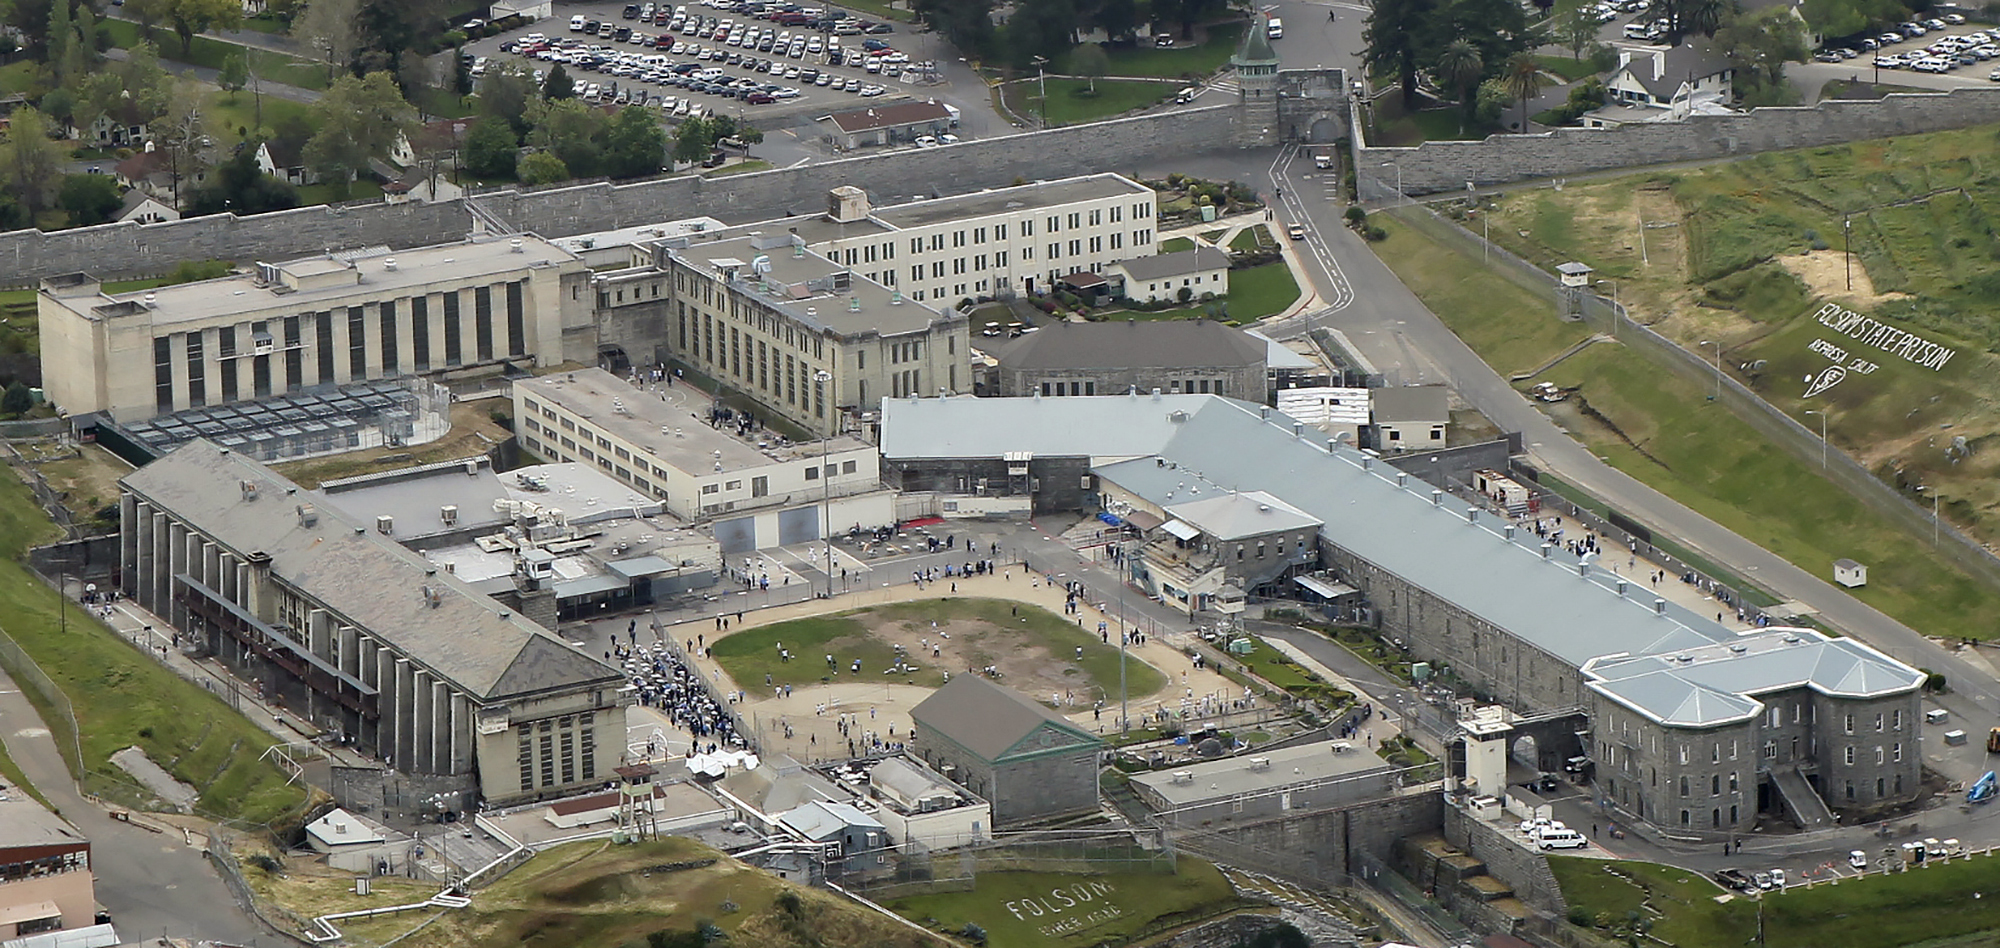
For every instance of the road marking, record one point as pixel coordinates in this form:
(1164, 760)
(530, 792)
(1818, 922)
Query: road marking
(1295, 209)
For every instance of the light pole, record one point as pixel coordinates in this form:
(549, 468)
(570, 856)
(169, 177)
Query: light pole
(1847, 246)
(1822, 435)
(825, 484)
(1042, 83)
(1718, 368)
(1401, 198)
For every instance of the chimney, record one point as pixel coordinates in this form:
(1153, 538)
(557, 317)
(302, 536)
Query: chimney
(1437, 497)
(1507, 531)
(1621, 587)
(1659, 606)
(1583, 569)
(514, 245)
(1402, 478)
(389, 264)
(257, 592)
(1472, 515)
(1263, 411)
(1298, 429)
(1547, 548)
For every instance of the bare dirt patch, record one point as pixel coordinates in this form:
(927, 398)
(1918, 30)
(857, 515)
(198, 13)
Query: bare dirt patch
(1826, 272)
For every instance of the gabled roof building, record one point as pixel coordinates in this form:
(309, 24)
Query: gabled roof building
(1029, 762)
(361, 637)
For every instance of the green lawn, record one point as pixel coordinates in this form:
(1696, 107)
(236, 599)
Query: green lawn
(1071, 103)
(1037, 909)
(123, 698)
(1669, 435)
(1252, 238)
(1261, 291)
(17, 77)
(1569, 69)
(211, 52)
(1190, 61)
(1433, 125)
(235, 118)
(750, 655)
(1928, 906)
(1271, 665)
(1176, 244)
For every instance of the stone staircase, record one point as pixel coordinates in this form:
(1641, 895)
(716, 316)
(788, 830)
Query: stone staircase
(1459, 882)
(1325, 920)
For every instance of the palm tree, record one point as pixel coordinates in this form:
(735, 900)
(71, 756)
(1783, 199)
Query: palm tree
(1459, 68)
(1523, 79)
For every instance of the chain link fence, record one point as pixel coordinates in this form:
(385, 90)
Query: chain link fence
(48, 699)
(1802, 443)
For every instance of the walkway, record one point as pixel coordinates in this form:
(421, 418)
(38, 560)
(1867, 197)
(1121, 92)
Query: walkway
(153, 883)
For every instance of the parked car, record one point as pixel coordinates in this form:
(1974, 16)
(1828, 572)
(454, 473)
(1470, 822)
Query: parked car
(1735, 880)
(1857, 860)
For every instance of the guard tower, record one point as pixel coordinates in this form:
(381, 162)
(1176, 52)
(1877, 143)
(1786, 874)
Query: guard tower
(1486, 735)
(1574, 290)
(1256, 65)
(635, 800)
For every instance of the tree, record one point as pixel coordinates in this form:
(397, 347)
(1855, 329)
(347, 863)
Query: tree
(491, 150)
(572, 131)
(1688, 17)
(635, 145)
(240, 186)
(357, 119)
(692, 141)
(506, 94)
(30, 163)
(1523, 78)
(1089, 61)
(17, 400)
(178, 133)
(1459, 69)
(1758, 45)
(1575, 25)
(329, 27)
(558, 85)
(1394, 42)
(89, 198)
(540, 167)
(133, 91)
(234, 74)
(1119, 19)
(61, 39)
(199, 16)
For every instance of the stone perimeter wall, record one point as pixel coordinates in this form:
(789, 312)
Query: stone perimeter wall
(1446, 166)
(131, 250)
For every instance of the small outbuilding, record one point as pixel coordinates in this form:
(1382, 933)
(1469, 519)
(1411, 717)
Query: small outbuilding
(1849, 573)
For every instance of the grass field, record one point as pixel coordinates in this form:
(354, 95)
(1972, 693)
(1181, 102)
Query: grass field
(984, 632)
(1191, 61)
(1271, 665)
(122, 698)
(1070, 101)
(1176, 244)
(1252, 238)
(235, 118)
(1746, 252)
(601, 894)
(1020, 909)
(1254, 293)
(1926, 906)
(1432, 125)
(17, 77)
(1568, 68)
(211, 52)
(1659, 427)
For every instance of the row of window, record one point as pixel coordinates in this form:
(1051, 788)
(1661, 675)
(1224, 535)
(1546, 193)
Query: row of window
(564, 747)
(378, 339)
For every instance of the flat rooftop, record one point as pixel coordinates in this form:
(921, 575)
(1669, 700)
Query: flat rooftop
(812, 290)
(1253, 771)
(673, 434)
(630, 236)
(814, 229)
(415, 497)
(24, 822)
(1040, 194)
(215, 300)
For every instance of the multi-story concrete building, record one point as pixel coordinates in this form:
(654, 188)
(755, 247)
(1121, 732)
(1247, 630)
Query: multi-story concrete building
(319, 321)
(361, 637)
(699, 470)
(45, 879)
(811, 340)
(1773, 720)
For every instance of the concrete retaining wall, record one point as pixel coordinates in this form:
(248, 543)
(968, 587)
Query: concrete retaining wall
(1445, 166)
(1324, 847)
(1523, 869)
(123, 250)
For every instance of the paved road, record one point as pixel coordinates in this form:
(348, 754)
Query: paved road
(207, 76)
(153, 884)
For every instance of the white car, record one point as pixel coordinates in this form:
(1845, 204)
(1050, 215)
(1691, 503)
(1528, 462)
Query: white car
(925, 141)
(1954, 19)
(1857, 860)
(947, 138)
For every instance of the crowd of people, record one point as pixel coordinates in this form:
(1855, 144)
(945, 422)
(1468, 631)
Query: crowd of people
(662, 680)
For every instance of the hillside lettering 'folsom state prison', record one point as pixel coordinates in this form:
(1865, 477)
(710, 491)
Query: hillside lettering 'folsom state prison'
(1907, 346)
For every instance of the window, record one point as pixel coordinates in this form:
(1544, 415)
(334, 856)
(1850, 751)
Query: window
(1896, 752)
(1734, 785)
(1770, 750)
(1878, 722)
(1684, 785)
(1850, 727)
(388, 310)
(812, 473)
(1849, 756)
(1879, 756)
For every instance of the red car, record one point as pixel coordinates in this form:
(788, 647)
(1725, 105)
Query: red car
(761, 98)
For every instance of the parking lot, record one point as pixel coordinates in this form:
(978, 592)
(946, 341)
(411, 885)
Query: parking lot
(1937, 51)
(767, 72)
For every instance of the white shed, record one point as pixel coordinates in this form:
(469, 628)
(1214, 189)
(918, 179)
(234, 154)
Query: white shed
(1849, 573)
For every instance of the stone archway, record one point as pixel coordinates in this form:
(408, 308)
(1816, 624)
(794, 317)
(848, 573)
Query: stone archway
(1526, 751)
(1324, 130)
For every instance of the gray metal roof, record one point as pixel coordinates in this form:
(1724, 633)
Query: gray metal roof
(1754, 664)
(820, 822)
(1248, 514)
(1410, 403)
(1120, 426)
(986, 718)
(1289, 766)
(1161, 344)
(1179, 263)
(24, 822)
(1032, 196)
(367, 579)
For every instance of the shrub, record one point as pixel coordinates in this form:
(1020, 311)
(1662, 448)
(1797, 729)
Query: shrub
(1374, 233)
(1356, 215)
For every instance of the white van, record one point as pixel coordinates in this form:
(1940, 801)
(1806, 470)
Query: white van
(576, 23)
(1561, 839)
(1275, 29)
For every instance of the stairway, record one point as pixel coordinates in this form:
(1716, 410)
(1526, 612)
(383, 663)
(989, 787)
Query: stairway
(1808, 810)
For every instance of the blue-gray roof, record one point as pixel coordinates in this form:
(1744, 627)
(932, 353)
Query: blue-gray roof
(1121, 426)
(1755, 664)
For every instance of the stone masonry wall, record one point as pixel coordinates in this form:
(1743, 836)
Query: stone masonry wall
(112, 251)
(1445, 166)
(1524, 869)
